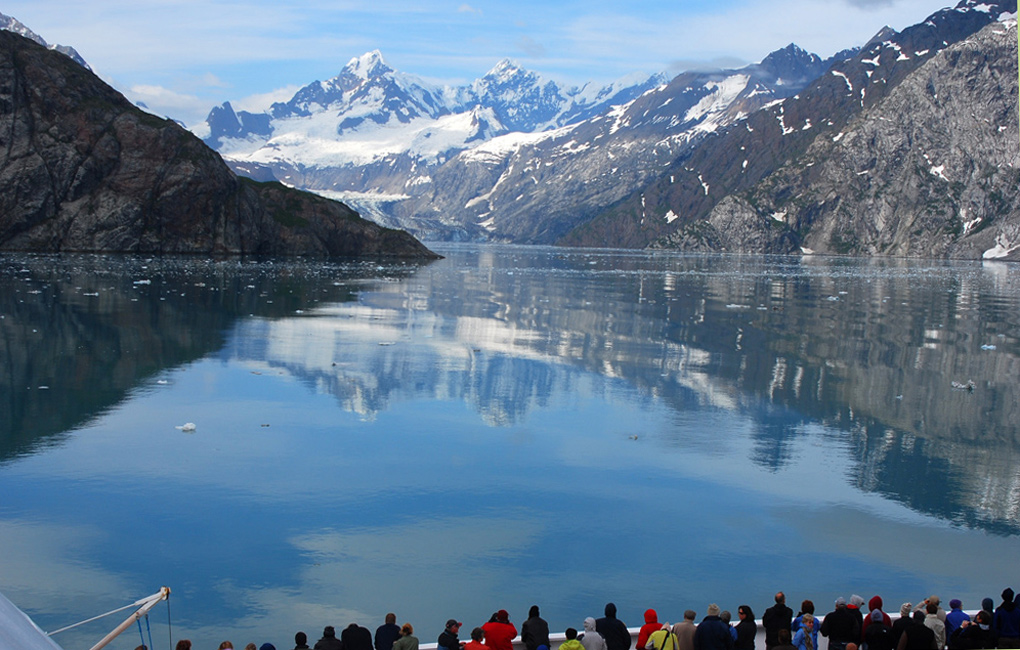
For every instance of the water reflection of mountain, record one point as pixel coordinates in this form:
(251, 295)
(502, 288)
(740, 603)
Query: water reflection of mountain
(79, 333)
(869, 349)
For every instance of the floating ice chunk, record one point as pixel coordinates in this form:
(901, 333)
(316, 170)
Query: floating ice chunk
(187, 426)
(988, 347)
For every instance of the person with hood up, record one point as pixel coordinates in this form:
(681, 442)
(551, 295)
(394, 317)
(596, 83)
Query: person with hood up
(590, 639)
(613, 630)
(662, 639)
(499, 634)
(875, 604)
(955, 617)
(651, 625)
(328, 640)
(1006, 621)
(854, 605)
(878, 635)
(535, 631)
(712, 632)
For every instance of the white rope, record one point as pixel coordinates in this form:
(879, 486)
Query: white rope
(96, 618)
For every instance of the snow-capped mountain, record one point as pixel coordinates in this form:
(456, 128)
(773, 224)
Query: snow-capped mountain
(10, 24)
(374, 130)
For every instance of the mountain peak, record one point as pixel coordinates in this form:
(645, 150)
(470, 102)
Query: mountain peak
(504, 69)
(369, 64)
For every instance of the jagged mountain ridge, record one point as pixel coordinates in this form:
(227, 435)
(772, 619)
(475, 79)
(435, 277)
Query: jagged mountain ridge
(672, 210)
(10, 24)
(932, 170)
(535, 188)
(82, 169)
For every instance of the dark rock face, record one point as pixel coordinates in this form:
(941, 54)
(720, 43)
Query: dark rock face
(81, 169)
(930, 171)
(722, 173)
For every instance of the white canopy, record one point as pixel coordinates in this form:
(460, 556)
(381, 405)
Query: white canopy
(18, 631)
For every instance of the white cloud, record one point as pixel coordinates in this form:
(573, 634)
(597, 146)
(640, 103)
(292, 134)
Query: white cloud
(468, 9)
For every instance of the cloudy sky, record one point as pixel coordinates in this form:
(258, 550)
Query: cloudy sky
(182, 57)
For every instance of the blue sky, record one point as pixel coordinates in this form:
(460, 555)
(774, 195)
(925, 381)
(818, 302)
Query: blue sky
(182, 57)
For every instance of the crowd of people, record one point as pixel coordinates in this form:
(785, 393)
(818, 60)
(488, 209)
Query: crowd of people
(851, 625)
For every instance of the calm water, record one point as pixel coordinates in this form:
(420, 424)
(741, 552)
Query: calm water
(504, 427)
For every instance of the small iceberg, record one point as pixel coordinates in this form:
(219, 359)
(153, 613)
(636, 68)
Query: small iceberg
(187, 426)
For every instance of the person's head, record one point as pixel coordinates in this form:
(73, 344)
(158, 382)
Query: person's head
(453, 626)
(935, 600)
(780, 598)
(856, 601)
(571, 633)
(851, 646)
(840, 602)
(690, 615)
(905, 610)
(713, 610)
(142, 647)
(784, 637)
(955, 604)
(391, 619)
(503, 616)
(477, 634)
(589, 624)
(611, 610)
(725, 616)
(931, 608)
(184, 644)
(328, 631)
(987, 604)
(250, 646)
(407, 629)
(1007, 595)
(919, 616)
(807, 607)
(808, 621)
(226, 645)
(300, 638)
(745, 613)
(875, 603)
(267, 646)
(983, 618)
(876, 616)
(533, 611)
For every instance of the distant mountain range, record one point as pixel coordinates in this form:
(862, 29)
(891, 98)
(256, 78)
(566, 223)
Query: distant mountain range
(642, 162)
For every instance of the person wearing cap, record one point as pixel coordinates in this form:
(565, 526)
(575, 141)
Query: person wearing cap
(901, 623)
(328, 640)
(387, 633)
(448, 640)
(535, 630)
(878, 635)
(923, 607)
(840, 626)
(499, 634)
(955, 617)
(778, 617)
(875, 604)
(712, 633)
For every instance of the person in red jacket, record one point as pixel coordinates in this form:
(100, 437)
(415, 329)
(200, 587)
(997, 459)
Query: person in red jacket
(652, 624)
(500, 633)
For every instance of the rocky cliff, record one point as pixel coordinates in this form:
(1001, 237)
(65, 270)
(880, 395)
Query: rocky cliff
(932, 170)
(722, 176)
(81, 169)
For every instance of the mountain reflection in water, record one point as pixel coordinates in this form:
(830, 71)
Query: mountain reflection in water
(765, 366)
